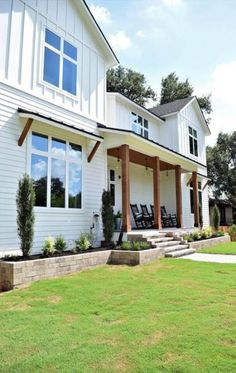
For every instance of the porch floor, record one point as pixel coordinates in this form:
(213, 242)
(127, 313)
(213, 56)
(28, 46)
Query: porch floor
(152, 232)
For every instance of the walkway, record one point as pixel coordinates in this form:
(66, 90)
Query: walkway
(214, 258)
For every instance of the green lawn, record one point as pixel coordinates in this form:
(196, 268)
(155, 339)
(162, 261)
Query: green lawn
(168, 316)
(228, 248)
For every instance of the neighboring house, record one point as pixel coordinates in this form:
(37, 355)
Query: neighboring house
(58, 125)
(225, 208)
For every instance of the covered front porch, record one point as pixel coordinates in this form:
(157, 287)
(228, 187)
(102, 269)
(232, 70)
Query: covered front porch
(151, 180)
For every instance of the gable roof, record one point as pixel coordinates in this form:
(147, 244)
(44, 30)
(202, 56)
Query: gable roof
(176, 106)
(113, 60)
(171, 107)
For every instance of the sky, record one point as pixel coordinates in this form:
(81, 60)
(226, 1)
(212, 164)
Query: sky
(194, 38)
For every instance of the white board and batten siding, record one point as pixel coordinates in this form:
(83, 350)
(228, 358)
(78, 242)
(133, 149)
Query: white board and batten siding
(22, 30)
(119, 111)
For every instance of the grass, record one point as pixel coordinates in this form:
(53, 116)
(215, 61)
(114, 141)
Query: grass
(167, 316)
(228, 248)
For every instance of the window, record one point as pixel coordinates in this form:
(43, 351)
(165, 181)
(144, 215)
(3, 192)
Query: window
(199, 195)
(56, 168)
(193, 142)
(60, 63)
(139, 125)
(112, 186)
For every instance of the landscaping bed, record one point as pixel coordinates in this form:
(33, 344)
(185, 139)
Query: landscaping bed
(200, 244)
(20, 271)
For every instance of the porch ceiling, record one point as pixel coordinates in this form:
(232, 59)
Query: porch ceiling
(140, 159)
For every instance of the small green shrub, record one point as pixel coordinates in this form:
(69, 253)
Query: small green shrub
(188, 238)
(232, 231)
(48, 247)
(144, 245)
(206, 233)
(218, 234)
(195, 235)
(126, 245)
(84, 242)
(136, 245)
(60, 244)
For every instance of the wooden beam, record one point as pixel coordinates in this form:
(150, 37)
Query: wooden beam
(195, 200)
(124, 154)
(140, 159)
(156, 192)
(25, 131)
(95, 148)
(207, 182)
(178, 188)
(189, 181)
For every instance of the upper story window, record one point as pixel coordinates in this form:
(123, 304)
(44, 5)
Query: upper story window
(56, 168)
(193, 141)
(139, 125)
(60, 63)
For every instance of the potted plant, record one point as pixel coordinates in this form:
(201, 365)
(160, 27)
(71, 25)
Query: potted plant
(117, 218)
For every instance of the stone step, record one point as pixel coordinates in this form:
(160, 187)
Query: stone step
(179, 253)
(168, 243)
(159, 240)
(179, 247)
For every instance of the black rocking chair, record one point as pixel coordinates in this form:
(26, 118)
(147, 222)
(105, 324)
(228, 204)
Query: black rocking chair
(141, 220)
(165, 219)
(170, 217)
(149, 215)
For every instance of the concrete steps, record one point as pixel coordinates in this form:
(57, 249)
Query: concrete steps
(179, 253)
(173, 246)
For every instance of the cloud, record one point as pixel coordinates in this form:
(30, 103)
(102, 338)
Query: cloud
(140, 34)
(119, 41)
(223, 85)
(100, 13)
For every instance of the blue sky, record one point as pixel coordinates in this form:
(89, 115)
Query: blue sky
(194, 38)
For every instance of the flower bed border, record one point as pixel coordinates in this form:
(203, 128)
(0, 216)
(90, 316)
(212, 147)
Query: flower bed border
(201, 244)
(18, 273)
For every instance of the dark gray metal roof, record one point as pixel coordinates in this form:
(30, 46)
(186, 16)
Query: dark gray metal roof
(171, 107)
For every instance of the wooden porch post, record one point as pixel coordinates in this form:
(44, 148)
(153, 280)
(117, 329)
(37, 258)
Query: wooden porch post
(156, 192)
(195, 200)
(126, 226)
(178, 188)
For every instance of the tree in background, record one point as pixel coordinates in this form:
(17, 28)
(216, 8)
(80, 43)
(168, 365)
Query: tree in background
(221, 163)
(130, 83)
(25, 199)
(173, 89)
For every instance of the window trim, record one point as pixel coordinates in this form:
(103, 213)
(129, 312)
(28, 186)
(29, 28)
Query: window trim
(141, 126)
(48, 208)
(194, 138)
(46, 84)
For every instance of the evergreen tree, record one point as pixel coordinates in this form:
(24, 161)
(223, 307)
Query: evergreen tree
(25, 200)
(107, 216)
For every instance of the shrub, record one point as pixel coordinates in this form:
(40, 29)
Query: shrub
(126, 245)
(48, 247)
(232, 231)
(84, 242)
(206, 233)
(195, 235)
(136, 245)
(144, 245)
(216, 218)
(60, 244)
(188, 238)
(25, 200)
(107, 216)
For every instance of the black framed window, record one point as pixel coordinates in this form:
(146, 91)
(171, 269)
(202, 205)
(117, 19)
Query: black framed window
(193, 141)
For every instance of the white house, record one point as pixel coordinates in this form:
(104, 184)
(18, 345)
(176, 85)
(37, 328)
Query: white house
(58, 124)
